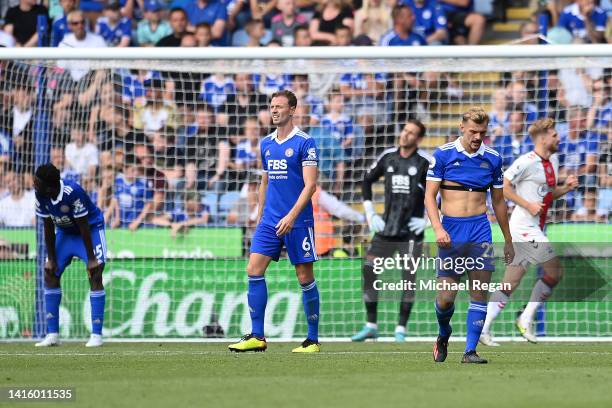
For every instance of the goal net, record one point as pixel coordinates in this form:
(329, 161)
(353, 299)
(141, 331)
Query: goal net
(167, 146)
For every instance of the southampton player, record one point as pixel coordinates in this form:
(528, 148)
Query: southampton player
(400, 230)
(531, 182)
(74, 227)
(462, 171)
(289, 159)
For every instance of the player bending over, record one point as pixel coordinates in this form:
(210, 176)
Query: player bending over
(462, 171)
(400, 230)
(74, 226)
(531, 182)
(289, 158)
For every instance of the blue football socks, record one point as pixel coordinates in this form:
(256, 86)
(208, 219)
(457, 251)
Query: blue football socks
(257, 298)
(310, 300)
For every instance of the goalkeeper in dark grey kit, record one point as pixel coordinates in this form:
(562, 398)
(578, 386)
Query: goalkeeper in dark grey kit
(400, 229)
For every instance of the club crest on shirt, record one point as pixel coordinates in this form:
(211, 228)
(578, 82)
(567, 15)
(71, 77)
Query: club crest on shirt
(289, 152)
(412, 171)
(64, 208)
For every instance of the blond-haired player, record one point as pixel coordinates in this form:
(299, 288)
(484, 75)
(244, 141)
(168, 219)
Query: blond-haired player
(531, 182)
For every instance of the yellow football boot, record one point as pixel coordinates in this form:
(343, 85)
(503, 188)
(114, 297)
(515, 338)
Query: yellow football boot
(308, 346)
(249, 343)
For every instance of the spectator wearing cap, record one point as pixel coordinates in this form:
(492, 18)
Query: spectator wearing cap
(584, 20)
(284, 23)
(465, 26)
(21, 22)
(60, 26)
(430, 20)
(178, 23)
(401, 33)
(152, 28)
(115, 29)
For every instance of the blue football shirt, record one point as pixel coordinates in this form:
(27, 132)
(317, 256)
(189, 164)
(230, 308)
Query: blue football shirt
(72, 202)
(283, 161)
(214, 91)
(391, 38)
(428, 18)
(131, 197)
(573, 21)
(477, 170)
(114, 34)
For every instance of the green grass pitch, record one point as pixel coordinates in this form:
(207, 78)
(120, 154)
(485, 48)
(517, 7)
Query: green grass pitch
(180, 375)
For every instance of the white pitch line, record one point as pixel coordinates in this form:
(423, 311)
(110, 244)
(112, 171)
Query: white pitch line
(161, 352)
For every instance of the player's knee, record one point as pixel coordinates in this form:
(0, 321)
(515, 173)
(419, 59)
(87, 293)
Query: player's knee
(551, 281)
(254, 270)
(445, 300)
(51, 281)
(304, 273)
(478, 295)
(475, 21)
(95, 279)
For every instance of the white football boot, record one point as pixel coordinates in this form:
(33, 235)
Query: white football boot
(50, 340)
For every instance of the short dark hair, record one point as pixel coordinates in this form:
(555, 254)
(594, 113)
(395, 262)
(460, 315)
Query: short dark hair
(291, 98)
(420, 125)
(177, 10)
(48, 174)
(397, 10)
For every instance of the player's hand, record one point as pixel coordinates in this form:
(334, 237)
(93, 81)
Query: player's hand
(285, 225)
(174, 229)
(92, 264)
(508, 252)
(442, 238)
(571, 182)
(534, 208)
(50, 267)
(133, 225)
(375, 222)
(417, 225)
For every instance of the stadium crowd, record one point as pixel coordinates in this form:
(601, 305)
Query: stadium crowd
(177, 149)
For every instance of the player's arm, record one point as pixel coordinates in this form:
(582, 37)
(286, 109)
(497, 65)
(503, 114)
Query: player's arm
(434, 178)
(431, 206)
(49, 228)
(261, 196)
(571, 182)
(501, 210)
(310, 174)
(510, 193)
(375, 222)
(83, 225)
(147, 209)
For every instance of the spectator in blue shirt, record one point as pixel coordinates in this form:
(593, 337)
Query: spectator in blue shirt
(130, 203)
(514, 141)
(116, 30)
(215, 90)
(248, 149)
(465, 26)
(430, 20)
(211, 12)
(401, 33)
(60, 25)
(578, 149)
(584, 20)
(152, 28)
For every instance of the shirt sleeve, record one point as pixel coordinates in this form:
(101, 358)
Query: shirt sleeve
(440, 18)
(126, 28)
(310, 153)
(516, 171)
(40, 210)
(77, 205)
(436, 167)
(498, 174)
(264, 162)
(564, 20)
(599, 20)
(376, 170)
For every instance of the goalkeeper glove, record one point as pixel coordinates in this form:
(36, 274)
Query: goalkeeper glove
(375, 221)
(417, 225)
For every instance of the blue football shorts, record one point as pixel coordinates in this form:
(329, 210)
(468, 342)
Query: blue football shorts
(299, 243)
(471, 246)
(68, 246)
